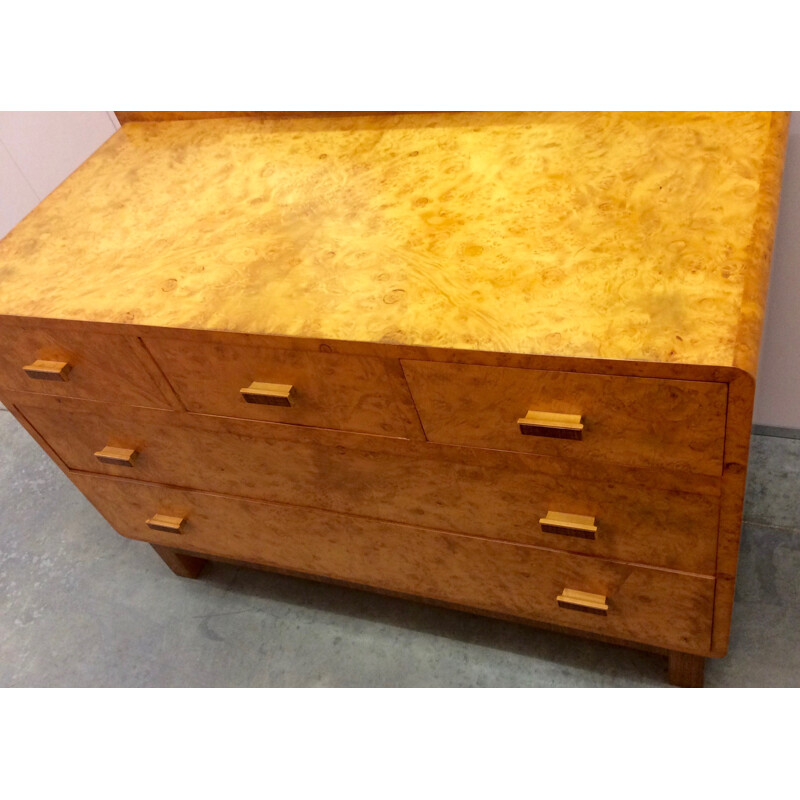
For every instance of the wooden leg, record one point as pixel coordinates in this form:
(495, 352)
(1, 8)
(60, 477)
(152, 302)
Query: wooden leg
(182, 565)
(686, 670)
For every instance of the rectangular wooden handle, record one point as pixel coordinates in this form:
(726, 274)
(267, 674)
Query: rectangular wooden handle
(161, 522)
(569, 525)
(118, 456)
(48, 370)
(554, 426)
(583, 601)
(268, 394)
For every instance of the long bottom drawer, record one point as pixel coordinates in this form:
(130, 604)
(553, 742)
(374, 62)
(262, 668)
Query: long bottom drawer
(652, 606)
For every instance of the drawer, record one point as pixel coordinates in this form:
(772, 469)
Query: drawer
(644, 422)
(661, 608)
(328, 390)
(83, 364)
(402, 481)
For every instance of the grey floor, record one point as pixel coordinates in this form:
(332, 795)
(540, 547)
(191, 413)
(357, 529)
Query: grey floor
(81, 606)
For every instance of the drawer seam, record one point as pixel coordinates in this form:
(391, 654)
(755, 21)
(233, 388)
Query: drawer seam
(153, 360)
(261, 501)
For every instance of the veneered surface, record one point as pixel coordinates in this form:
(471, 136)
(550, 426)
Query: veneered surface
(663, 608)
(343, 392)
(637, 421)
(102, 367)
(412, 484)
(598, 235)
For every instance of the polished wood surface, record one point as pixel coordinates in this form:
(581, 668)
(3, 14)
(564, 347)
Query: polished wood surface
(433, 354)
(498, 496)
(553, 426)
(588, 235)
(575, 600)
(268, 394)
(569, 525)
(677, 424)
(737, 446)
(48, 370)
(328, 390)
(117, 456)
(166, 523)
(497, 576)
(565, 470)
(101, 367)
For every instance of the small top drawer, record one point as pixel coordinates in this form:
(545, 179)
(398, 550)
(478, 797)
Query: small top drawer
(78, 363)
(317, 389)
(645, 422)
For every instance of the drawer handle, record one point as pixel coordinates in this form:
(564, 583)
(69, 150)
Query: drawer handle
(569, 525)
(268, 394)
(161, 522)
(48, 370)
(118, 456)
(554, 426)
(583, 601)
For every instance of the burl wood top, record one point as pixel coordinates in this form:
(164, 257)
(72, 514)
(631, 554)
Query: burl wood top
(639, 236)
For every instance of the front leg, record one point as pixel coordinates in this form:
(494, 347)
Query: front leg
(686, 670)
(182, 565)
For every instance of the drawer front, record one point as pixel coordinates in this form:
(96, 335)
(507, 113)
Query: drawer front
(87, 365)
(405, 483)
(328, 390)
(644, 422)
(661, 608)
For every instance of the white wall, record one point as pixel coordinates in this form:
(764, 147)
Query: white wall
(778, 385)
(39, 149)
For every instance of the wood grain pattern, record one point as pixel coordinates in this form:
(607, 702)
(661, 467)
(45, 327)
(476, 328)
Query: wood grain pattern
(102, 366)
(752, 306)
(388, 351)
(328, 390)
(586, 235)
(446, 488)
(613, 265)
(562, 469)
(677, 424)
(663, 608)
(737, 446)
(536, 624)
(686, 670)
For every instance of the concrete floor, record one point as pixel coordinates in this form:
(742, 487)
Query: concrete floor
(81, 606)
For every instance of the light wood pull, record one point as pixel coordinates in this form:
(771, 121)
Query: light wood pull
(118, 456)
(269, 394)
(48, 370)
(583, 601)
(161, 522)
(554, 426)
(569, 525)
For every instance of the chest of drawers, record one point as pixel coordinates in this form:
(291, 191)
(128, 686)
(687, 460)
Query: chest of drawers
(499, 361)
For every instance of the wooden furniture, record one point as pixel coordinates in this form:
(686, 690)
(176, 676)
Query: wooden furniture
(499, 361)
